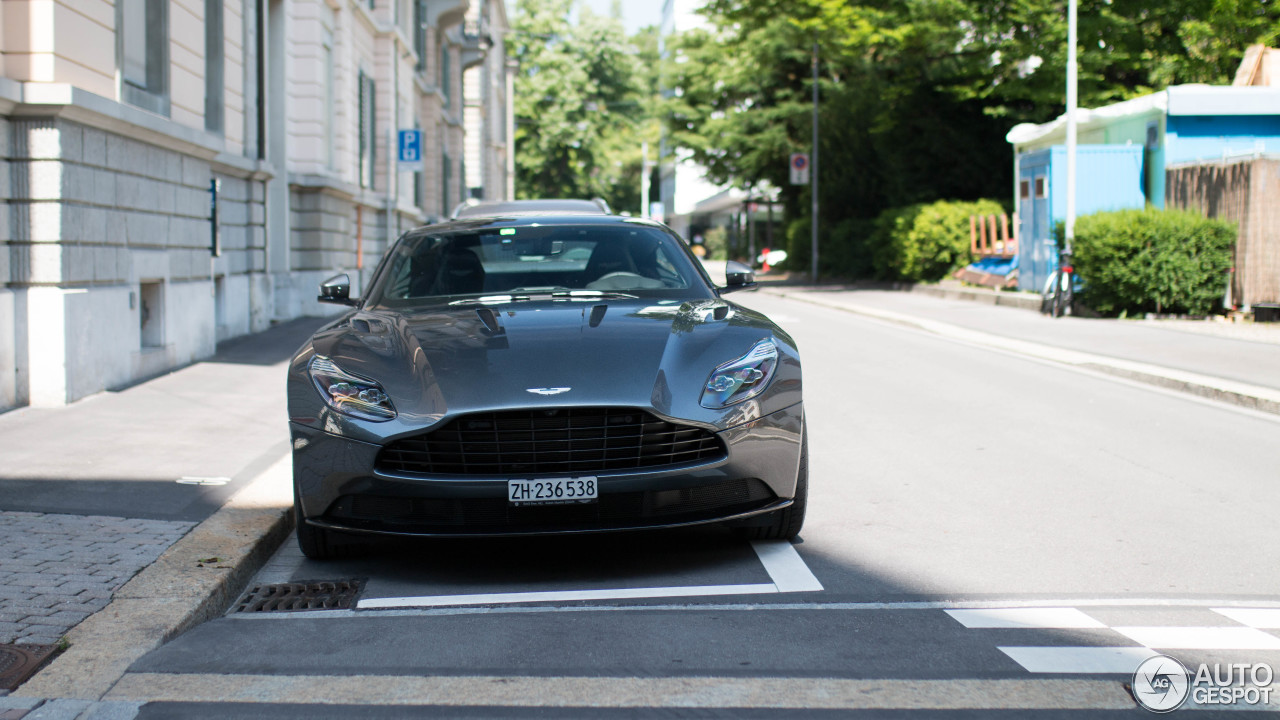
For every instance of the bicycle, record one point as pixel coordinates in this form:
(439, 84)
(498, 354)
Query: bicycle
(1058, 297)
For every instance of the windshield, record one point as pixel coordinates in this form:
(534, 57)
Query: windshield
(537, 260)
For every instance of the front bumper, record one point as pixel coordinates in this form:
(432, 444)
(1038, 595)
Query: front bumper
(338, 488)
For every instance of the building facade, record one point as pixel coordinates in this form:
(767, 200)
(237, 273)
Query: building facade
(178, 172)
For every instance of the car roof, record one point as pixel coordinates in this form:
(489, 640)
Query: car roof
(465, 224)
(509, 208)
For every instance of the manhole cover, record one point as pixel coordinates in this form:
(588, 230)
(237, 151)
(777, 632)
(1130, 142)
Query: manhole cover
(289, 597)
(19, 662)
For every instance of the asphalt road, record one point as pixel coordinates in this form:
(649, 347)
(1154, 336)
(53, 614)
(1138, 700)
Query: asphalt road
(988, 536)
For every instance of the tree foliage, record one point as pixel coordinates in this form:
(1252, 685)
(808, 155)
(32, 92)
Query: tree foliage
(917, 95)
(584, 97)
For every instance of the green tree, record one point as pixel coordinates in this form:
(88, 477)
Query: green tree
(918, 95)
(580, 104)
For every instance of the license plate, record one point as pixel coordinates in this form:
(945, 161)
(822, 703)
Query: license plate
(552, 491)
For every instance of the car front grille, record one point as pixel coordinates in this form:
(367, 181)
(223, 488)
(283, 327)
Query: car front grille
(559, 441)
(495, 515)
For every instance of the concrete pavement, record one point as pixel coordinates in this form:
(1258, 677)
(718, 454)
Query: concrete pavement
(140, 509)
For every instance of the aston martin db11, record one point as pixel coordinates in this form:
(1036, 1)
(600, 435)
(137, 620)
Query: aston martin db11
(544, 374)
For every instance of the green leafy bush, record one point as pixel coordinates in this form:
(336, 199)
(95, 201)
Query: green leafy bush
(922, 243)
(716, 242)
(1151, 260)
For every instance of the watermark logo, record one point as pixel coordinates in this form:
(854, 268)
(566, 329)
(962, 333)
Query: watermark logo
(1161, 684)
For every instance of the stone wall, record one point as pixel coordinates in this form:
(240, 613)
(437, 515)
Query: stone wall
(106, 235)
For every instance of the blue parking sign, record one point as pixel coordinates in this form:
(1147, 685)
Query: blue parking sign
(410, 146)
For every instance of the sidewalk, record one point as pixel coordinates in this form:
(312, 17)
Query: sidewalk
(1239, 365)
(93, 493)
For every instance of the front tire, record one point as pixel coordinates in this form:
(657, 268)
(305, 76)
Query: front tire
(785, 524)
(316, 543)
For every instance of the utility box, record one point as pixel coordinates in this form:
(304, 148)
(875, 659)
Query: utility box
(1108, 177)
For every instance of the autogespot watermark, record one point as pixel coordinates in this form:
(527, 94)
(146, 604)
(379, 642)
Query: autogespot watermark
(1162, 684)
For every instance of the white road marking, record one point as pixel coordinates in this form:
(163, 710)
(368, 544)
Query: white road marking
(1201, 638)
(1082, 660)
(749, 607)
(1060, 617)
(629, 692)
(1262, 618)
(785, 566)
(562, 596)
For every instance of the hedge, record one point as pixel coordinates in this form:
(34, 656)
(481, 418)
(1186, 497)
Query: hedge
(1165, 261)
(922, 243)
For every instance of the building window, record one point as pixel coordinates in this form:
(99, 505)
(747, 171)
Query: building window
(329, 101)
(1041, 188)
(446, 168)
(444, 74)
(214, 47)
(1024, 189)
(420, 33)
(368, 136)
(143, 49)
(151, 313)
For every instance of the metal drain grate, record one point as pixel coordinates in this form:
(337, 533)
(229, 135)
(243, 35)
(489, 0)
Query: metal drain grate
(291, 597)
(19, 662)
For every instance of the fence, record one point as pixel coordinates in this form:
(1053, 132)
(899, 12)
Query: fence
(1246, 192)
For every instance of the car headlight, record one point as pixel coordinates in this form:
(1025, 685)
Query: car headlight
(348, 394)
(743, 378)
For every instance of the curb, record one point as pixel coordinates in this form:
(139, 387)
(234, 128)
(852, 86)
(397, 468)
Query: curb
(1240, 394)
(177, 591)
(1007, 298)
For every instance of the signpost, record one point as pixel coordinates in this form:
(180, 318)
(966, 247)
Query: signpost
(410, 147)
(799, 168)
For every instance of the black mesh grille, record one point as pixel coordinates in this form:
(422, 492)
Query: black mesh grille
(550, 441)
(495, 514)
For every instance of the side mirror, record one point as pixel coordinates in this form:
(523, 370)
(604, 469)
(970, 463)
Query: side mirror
(336, 289)
(738, 277)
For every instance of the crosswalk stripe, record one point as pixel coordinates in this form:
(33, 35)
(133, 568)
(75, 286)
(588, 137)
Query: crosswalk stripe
(1079, 660)
(1261, 618)
(1201, 638)
(1044, 618)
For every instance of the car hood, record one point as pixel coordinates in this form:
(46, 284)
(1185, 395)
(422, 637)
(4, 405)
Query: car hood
(450, 359)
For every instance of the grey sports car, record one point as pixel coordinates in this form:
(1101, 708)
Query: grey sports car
(544, 374)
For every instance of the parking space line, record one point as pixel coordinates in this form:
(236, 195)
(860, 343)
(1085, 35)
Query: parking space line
(563, 596)
(785, 566)
(781, 561)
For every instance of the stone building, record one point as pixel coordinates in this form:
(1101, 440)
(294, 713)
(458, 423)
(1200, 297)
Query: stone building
(177, 172)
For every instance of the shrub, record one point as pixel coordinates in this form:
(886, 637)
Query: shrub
(716, 240)
(799, 246)
(925, 242)
(1151, 260)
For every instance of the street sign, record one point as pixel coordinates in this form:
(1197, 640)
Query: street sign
(410, 146)
(799, 168)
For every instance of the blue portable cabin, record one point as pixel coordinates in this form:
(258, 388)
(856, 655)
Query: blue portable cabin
(1182, 124)
(1108, 177)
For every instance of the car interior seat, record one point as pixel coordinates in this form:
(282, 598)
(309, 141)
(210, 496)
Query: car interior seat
(461, 272)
